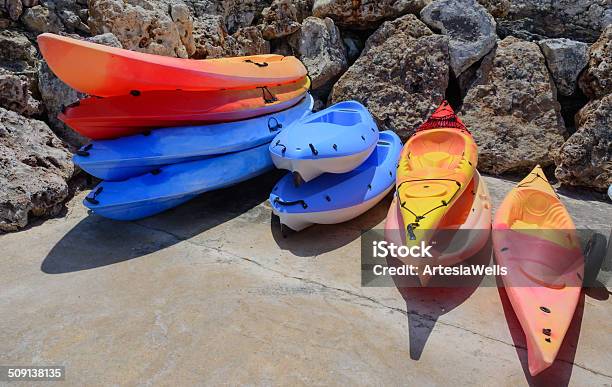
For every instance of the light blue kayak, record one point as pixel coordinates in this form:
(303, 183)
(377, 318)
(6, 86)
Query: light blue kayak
(336, 198)
(131, 156)
(175, 184)
(610, 191)
(334, 140)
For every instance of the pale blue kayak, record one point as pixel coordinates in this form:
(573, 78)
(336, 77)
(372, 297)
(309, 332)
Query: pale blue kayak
(131, 156)
(334, 140)
(335, 198)
(169, 186)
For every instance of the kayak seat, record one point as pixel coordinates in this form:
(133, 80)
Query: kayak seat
(344, 117)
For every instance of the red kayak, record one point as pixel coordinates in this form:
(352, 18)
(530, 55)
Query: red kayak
(112, 117)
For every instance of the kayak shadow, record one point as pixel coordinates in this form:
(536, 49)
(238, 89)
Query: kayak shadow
(560, 372)
(96, 241)
(425, 305)
(321, 238)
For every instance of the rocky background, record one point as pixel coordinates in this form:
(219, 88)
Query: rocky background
(531, 78)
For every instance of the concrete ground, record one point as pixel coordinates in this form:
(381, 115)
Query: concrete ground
(211, 293)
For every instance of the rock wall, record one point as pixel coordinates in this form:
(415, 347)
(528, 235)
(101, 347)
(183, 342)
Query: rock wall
(398, 57)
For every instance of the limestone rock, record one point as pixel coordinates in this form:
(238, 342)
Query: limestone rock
(565, 59)
(14, 8)
(581, 20)
(18, 53)
(107, 39)
(34, 167)
(319, 46)
(156, 27)
(18, 74)
(39, 19)
(586, 157)
(468, 24)
(596, 81)
(401, 75)
(213, 41)
(280, 19)
(512, 110)
(247, 41)
(241, 13)
(365, 14)
(16, 94)
(497, 8)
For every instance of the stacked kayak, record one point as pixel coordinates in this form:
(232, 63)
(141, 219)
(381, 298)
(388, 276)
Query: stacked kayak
(167, 129)
(535, 238)
(124, 115)
(125, 157)
(113, 71)
(439, 191)
(341, 166)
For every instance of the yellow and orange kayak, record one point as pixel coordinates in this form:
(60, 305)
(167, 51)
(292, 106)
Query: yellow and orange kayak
(535, 238)
(109, 71)
(464, 230)
(436, 165)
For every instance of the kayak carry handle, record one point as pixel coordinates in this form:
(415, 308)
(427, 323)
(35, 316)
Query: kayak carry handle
(277, 125)
(84, 150)
(269, 97)
(283, 203)
(93, 199)
(258, 64)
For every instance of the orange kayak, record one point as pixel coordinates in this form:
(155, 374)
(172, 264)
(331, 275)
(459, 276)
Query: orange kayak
(109, 71)
(112, 117)
(535, 239)
(436, 165)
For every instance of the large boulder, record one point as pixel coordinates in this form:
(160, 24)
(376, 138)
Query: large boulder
(565, 59)
(365, 14)
(213, 41)
(468, 24)
(18, 74)
(537, 19)
(497, 8)
(596, 81)
(241, 13)
(18, 53)
(512, 110)
(280, 19)
(319, 46)
(34, 168)
(16, 93)
(159, 27)
(401, 75)
(586, 157)
(41, 19)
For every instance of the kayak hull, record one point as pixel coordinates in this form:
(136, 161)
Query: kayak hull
(114, 71)
(169, 186)
(131, 156)
(534, 237)
(107, 118)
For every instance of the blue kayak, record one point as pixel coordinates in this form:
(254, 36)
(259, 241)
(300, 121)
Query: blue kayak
(336, 198)
(169, 186)
(131, 156)
(334, 140)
